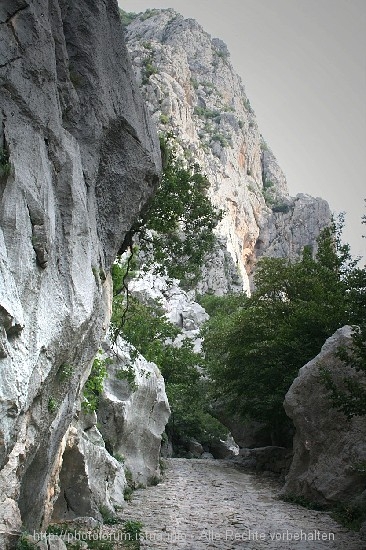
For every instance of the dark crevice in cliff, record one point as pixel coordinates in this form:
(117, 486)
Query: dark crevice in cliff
(23, 6)
(10, 61)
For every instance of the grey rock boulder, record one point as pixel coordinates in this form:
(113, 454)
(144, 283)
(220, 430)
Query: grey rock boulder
(133, 412)
(224, 448)
(276, 460)
(327, 446)
(90, 479)
(195, 448)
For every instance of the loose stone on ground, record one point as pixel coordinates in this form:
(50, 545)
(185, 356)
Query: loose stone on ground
(210, 504)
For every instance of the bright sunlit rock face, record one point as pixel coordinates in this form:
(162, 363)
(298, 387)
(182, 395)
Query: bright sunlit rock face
(191, 89)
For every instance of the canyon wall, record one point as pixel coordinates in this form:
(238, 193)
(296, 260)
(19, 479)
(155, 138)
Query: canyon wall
(192, 91)
(78, 161)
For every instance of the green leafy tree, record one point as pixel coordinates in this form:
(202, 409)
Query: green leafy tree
(177, 228)
(148, 330)
(255, 352)
(349, 396)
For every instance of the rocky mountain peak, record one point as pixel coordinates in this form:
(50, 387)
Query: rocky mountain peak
(192, 90)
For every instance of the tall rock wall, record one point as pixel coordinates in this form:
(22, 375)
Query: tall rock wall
(192, 90)
(78, 161)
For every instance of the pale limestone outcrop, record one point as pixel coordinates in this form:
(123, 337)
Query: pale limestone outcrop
(328, 448)
(192, 90)
(90, 479)
(79, 161)
(179, 306)
(133, 411)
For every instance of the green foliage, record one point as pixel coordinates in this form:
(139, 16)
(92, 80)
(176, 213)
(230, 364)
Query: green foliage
(268, 198)
(254, 350)
(149, 13)
(94, 384)
(164, 119)
(206, 113)
(264, 146)
(147, 45)
(149, 68)
(247, 106)
(5, 165)
(148, 330)
(194, 83)
(223, 140)
(120, 458)
(128, 476)
(224, 55)
(58, 529)
(127, 17)
(127, 374)
(133, 533)
(52, 405)
(180, 219)
(108, 517)
(350, 515)
(127, 493)
(267, 184)
(24, 543)
(162, 462)
(349, 395)
(130, 487)
(281, 207)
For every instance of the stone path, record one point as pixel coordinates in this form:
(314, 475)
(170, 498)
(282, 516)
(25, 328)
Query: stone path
(209, 504)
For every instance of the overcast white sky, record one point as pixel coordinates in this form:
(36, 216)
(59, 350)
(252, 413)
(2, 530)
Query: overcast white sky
(303, 63)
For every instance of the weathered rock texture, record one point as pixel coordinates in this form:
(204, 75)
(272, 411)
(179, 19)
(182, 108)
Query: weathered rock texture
(192, 90)
(265, 459)
(328, 448)
(79, 160)
(90, 479)
(133, 412)
(180, 306)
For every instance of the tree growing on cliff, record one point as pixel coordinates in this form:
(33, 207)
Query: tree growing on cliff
(178, 227)
(173, 238)
(254, 353)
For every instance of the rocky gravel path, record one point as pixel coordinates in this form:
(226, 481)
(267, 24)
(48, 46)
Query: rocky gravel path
(210, 504)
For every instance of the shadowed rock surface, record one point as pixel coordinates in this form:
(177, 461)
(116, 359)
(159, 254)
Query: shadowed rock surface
(80, 160)
(328, 449)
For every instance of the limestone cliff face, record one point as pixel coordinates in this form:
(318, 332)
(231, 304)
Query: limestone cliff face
(192, 90)
(78, 161)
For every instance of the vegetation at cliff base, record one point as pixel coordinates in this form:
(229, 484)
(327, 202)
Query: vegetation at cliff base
(173, 238)
(255, 346)
(148, 330)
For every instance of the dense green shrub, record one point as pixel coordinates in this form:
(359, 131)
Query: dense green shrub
(254, 349)
(94, 385)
